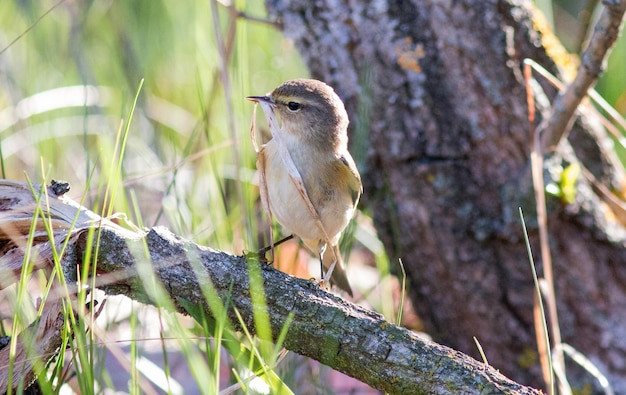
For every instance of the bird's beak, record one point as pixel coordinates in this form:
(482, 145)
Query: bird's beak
(259, 99)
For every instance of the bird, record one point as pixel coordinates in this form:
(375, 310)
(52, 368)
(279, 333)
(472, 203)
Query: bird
(309, 181)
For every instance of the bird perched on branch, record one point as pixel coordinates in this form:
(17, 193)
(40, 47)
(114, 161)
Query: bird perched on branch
(309, 181)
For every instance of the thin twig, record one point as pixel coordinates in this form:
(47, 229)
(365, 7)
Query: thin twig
(246, 16)
(224, 48)
(536, 161)
(16, 39)
(592, 65)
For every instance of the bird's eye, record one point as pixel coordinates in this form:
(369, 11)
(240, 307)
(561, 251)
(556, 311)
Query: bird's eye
(293, 106)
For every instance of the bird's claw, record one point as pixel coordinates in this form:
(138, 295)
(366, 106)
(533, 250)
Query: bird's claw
(321, 283)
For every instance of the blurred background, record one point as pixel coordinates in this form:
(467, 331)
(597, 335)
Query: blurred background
(70, 73)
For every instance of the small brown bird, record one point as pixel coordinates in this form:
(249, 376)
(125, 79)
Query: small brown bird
(309, 180)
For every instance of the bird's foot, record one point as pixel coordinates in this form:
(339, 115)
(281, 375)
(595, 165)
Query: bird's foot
(259, 255)
(325, 285)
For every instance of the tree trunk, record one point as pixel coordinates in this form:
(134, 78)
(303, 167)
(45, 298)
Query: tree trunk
(440, 131)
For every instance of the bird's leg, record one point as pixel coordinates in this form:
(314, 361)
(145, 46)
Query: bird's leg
(329, 273)
(264, 250)
(322, 249)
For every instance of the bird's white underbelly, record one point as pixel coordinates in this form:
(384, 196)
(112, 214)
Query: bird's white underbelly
(290, 210)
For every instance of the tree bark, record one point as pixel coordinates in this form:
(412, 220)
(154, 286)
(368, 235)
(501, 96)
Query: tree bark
(440, 132)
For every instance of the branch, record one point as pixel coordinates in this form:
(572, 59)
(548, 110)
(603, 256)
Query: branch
(344, 336)
(592, 64)
(36, 346)
(322, 326)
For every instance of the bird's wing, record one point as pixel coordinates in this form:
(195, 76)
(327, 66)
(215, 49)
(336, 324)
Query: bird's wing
(354, 182)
